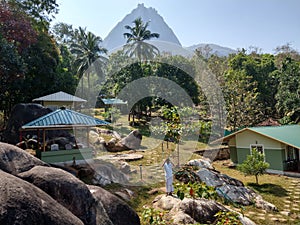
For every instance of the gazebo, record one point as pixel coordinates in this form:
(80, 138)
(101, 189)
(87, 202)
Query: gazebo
(59, 99)
(63, 119)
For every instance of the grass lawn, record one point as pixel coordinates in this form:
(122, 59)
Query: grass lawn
(273, 188)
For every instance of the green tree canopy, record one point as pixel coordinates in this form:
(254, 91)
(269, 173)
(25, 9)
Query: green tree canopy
(136, 37)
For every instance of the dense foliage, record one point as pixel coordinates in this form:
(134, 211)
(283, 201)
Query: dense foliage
(36, 61)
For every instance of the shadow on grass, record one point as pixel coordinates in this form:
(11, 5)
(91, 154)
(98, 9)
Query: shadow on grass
(268, 188)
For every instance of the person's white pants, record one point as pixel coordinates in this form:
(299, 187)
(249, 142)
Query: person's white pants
(169, 185)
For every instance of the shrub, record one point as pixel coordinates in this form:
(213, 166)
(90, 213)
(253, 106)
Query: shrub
(254, 165)
(152, 216)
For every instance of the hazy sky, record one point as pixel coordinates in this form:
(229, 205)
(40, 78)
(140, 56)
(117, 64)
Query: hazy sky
(231, 23)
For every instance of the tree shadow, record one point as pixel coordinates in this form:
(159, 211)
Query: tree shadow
(268, 188)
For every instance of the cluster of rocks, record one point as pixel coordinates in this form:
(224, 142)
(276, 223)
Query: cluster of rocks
(230, 189)
(32, 192)
(190, 211)
(116, 144)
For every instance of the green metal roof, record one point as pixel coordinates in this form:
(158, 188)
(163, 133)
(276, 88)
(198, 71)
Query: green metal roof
(288, 134)
(62, 118)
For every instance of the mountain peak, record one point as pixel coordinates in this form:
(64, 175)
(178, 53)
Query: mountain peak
(157, 24)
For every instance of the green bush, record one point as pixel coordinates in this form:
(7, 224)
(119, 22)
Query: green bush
(152, 216)
(195, 190)
(230, 218)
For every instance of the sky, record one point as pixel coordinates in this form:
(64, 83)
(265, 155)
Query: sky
(236, 24)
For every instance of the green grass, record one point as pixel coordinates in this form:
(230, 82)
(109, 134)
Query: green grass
(273, 188)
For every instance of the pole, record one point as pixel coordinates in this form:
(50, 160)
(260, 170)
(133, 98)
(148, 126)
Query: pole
(177, 146)
(141, 171)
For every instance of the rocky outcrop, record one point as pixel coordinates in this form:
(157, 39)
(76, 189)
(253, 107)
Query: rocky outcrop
(132, 141)
(118, 211)
(233, 190)
(24, 204)
(37, 194)
(106, 173)
(191, 211)
(14, 160)
(20, 115)
(199, 210)
(69, 191)
(201, 163)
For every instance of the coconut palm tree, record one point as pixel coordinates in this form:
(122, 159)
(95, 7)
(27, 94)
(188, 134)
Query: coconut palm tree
(88, 52)
(136, 37)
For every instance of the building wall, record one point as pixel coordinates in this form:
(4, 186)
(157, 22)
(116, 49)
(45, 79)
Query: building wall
(66, 155)
(274, 150)
(246, 138)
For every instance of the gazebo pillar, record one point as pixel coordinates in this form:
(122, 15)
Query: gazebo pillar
(44, 139)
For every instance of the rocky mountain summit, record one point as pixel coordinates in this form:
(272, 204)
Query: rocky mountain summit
(157, 24)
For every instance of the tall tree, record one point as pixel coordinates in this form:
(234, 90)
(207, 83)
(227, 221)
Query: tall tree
(287, 96)
(241, 97)
(136, 37)
(88, 52)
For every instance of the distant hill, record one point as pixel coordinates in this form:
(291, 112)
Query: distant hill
(167, 42)
(157, 24)
(214, 49)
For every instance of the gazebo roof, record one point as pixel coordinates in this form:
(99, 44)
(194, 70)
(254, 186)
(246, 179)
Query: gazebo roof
(59, 97)
(113, 101)
(63, 118)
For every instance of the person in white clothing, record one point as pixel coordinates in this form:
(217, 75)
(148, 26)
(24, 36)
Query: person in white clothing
(168, 168)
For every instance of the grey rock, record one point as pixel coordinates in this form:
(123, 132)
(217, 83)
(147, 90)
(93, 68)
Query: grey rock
(201, 163)
(69, 191)
(107, 173)
(119, 212)
(20, 115)
(165, 202)
(262, 204)
(239, 195)
(14, 160)
(133, 140)
(201, 210)
(21, 203)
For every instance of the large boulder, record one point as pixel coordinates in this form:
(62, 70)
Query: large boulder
(227, 187)
(25, 113)
(24, 204)
(69, 191)
(196, 210)
(201, 163)
(15, 160)
(133, 140)
(106, 173)
(119, 212)
(233, 190)
(20, 115)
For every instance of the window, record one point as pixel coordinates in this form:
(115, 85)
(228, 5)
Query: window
(292, 153)
(259, 148)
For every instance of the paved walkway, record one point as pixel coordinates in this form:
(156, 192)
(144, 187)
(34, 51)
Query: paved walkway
(291, 210)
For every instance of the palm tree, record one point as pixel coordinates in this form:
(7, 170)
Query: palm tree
(136, 37)
(87, 51)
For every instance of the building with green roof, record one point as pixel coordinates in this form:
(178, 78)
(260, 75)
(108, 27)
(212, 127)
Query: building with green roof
(279, 144)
